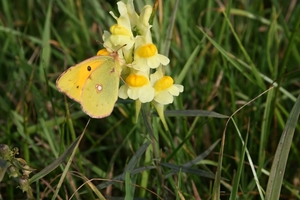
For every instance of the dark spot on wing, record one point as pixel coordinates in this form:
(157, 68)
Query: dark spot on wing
(77, 86)
(89, 68)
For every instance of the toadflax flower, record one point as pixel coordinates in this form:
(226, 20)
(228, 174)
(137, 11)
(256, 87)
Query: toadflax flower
(143, 25)
(146, 55)
(120, 33)
(165, 90)
(164, 87)
(137, 87)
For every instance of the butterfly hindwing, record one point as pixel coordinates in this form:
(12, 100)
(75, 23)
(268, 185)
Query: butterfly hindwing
(100, 91)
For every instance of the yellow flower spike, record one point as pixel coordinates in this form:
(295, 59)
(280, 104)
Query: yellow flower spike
(136, 81)
(163, 83)
(147, 51)
(119, 30)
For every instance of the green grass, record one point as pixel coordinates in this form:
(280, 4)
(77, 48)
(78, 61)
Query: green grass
(231, 130)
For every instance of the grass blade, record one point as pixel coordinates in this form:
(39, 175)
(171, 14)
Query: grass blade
(281, 155)
(54, 164)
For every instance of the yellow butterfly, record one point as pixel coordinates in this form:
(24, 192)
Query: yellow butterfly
(94, 83)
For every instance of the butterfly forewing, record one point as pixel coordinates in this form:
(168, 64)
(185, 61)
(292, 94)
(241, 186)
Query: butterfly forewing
(71, 82)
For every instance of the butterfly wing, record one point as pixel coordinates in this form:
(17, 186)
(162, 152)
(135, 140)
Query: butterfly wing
(71, 81)
(100, 91)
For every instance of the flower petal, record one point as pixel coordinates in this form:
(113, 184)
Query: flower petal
(147, 95)
(164, 60)
(164, 98)
(123, 92)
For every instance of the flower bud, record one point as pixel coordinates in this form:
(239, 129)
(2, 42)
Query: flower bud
(5, 152)
(27, 170)
(24, 184)
(13, 172)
